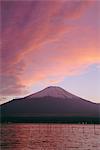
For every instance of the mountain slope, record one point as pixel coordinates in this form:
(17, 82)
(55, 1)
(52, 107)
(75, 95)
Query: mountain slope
(53, 91)
(50, 102)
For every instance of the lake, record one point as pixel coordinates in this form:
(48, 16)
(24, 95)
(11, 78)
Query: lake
(50, 137)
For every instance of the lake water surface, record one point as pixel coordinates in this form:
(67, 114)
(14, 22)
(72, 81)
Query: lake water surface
(50, 137)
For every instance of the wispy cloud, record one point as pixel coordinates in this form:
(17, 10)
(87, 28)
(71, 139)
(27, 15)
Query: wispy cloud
(46, 41)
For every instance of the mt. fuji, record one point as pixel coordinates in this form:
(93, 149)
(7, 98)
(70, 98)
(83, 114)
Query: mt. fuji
(53, 91)
(52, 104)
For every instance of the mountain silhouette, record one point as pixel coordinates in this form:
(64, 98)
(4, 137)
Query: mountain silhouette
(52, 104)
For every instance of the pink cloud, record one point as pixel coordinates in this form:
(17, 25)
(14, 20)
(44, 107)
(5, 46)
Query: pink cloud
(41, 44)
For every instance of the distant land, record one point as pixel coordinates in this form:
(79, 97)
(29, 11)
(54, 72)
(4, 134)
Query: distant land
(51, 105)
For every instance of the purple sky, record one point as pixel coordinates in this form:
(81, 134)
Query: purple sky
(50, 43)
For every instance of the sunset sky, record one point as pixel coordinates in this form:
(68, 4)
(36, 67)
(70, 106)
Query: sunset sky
(48, 43)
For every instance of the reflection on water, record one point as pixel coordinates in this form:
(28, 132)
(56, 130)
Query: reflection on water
(50, 137)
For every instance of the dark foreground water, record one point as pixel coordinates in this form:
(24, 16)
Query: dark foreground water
(50, 137)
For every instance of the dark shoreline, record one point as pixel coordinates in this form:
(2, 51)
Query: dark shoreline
(76, 120)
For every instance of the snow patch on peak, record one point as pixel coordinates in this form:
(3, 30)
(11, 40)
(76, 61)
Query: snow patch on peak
(53, 91)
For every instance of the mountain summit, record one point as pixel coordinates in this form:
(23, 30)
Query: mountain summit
(53, 91)
(52, 104)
